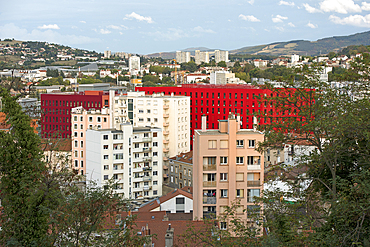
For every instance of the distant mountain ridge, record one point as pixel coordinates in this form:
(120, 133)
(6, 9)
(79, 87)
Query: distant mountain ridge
(305, 47)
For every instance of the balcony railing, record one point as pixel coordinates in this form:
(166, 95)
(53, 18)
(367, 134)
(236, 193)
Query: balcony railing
(165, 150)
(165, 132)
(209, 167)
(166, 124)
(254, 167)
(147, 178)
(165, 141)
(166, 115)
(209, 214)
(147, 168)
(253, 183)
(147, 158)
(147, 187)
(166, 107)
(209, 200)
(209, 183)
(147, 139)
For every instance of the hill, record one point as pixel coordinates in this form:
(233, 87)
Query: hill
(305, 47)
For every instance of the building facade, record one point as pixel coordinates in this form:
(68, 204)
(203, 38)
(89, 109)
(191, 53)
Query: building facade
(179, 170)
(56, 110)
(134, 64)
(221, 56)
(227, 168)
(170, 113)
(83, 120)
(131, 157)
(201, 57)
(182, 56)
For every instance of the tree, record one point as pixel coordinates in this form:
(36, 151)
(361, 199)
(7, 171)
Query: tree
(335, 120)
(23, 197)
(222, 64)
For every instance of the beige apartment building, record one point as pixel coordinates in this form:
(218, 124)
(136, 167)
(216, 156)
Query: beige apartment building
(226, 167)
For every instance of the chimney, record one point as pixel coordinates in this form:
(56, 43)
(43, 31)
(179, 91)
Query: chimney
(169, 236)
(255, 124)
(204, 123)
(238, 120)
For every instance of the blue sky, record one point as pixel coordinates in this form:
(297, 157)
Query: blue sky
(143, 26)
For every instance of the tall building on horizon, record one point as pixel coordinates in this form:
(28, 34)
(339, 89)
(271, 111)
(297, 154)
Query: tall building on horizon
(201, 57)
(182, 56)
(134, 64)
(221, 56)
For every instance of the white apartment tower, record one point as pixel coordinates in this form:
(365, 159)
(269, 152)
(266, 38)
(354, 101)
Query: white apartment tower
(221, 56)
(107, 54)
(201, 57)
(134, 64)
(182, 56)
(170, 113)
(131, 157)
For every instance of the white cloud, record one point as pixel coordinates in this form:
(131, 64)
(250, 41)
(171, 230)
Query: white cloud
(309, 24)
(365, 6)
(12, 31)
(339, 6)
(286, 3)
(114, 27)
(103, 31)
(249, 18)
(202, 30)
(353, 20)
(251, 2)
(281, 29)
(291, 24)
(50, 26)
(279, 18)
(138, 17)
(83, 21)
(310, 9)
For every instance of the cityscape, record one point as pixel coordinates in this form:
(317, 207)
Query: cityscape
(142, 142)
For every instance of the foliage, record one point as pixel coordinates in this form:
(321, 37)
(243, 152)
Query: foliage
(161, 70)
(335, 120)
(191, 66)
(222, 64)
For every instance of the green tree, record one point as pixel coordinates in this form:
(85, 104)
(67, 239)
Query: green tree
(336, 122)
(23, 196)
(222, 64)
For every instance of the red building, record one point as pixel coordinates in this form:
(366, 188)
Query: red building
(218, 101)
(56, 109)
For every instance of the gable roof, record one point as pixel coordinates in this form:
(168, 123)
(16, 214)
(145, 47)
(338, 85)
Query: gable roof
(147, 207)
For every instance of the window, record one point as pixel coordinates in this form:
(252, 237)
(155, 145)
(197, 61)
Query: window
(75, 126)
(155, 182)
(75, 134)
(223, 225)
(223, 193)
(76, 154)
(76, 144)
(239, 143)
(252, 193)
(212, 144)
(155, 163)
(105, 137)
(155, 153)
(82, 134)
(90, 119)
(240, 160)
(223, 176)
(252, 143)
(155, 144)
(76, 163)
(106, 167)
(155, 192)
(239, 176)
(180, 200)
(118, 156)
(82, 163)
(106, 157)
(99, 119)
(105, 146)
(155, 173)
(240, 193)
(155, 134)
(82, 144)
(105, 177)
(223, 160)
(209, 160)
(117, 136)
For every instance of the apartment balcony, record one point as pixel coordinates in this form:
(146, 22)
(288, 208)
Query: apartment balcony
(166, 132)
(138, 169)
(147, 159)
(137, 160)
(118, 170)
(147, 149)
(117, 147)
(166, 115)
(165, 175)
(165, 141)
(147, 187)
(209, 214)
(147, 139)
(138, 189)
(253, 183)
(119, 191)
(209, 200)
(137, 179)
(165, 158)
(166, 124)
(165, 167)
(209, 167)
(147, 178)
(166, 107)
(254, 167)
(165, 150)
(147, 168)
(119, 180)
(209, 183)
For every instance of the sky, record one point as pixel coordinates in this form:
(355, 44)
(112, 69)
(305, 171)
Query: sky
(148, 26)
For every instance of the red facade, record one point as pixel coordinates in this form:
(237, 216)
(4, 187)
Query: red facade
(56, 109)
(218, 101)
